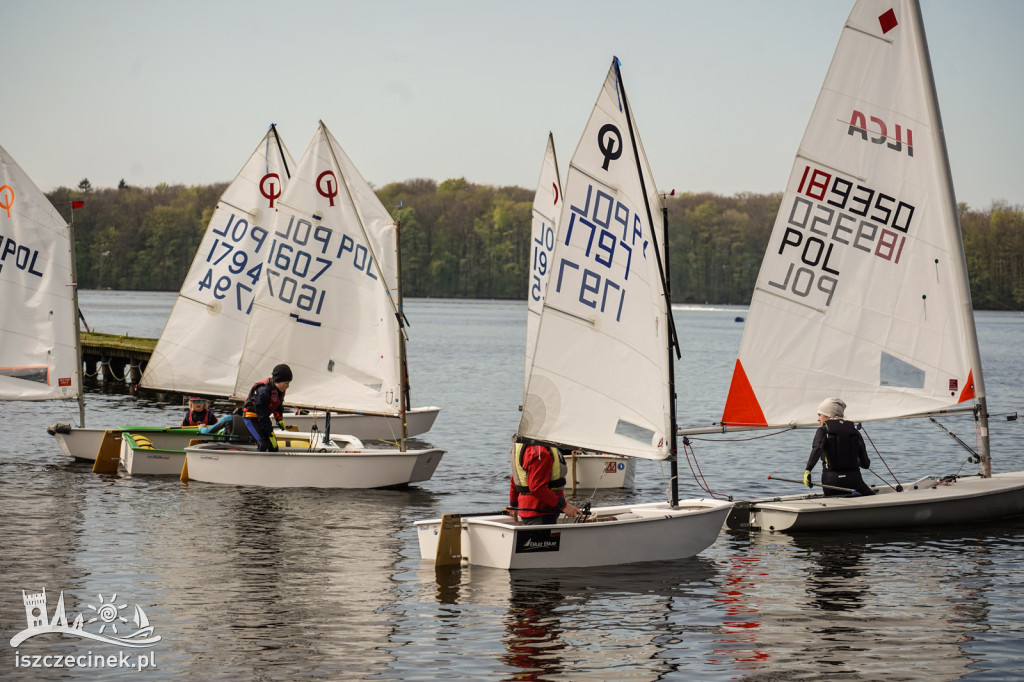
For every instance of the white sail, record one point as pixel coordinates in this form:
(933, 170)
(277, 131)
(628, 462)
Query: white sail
(599, 378)
(326, 303)
(201, 343)
(547, 204)
(863, 292)
(38, 310)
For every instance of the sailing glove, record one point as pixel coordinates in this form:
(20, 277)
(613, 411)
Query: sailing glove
(281, 425)
(807, 479)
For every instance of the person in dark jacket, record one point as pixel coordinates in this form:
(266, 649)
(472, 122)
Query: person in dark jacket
(841, 450)
(266, 399)
(199, 413)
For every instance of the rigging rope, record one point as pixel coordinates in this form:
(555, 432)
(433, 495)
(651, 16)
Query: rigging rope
(698, 475)
(899, 486)
(974, 455)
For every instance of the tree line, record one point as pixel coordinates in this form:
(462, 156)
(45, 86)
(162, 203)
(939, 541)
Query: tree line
(463, 240)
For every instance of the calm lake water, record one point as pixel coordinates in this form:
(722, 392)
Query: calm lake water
(244, 583)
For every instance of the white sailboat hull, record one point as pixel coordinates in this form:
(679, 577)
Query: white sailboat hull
(299, 468)
(162, 453)
(591, 471)
(621, 534)
(369, 426)
(84, 443)
(139, 461)
(929, 502)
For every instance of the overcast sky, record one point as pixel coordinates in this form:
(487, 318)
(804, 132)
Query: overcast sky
(181, 91)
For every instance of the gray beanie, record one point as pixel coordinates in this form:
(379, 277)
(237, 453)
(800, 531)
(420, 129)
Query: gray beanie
(833, 408)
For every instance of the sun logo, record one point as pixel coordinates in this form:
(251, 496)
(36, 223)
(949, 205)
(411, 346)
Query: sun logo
(108, 613)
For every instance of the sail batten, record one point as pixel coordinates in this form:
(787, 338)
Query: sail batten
(598, 376)
(864, 269)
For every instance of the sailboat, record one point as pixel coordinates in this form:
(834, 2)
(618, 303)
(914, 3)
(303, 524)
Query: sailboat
(40, 355)
(601, 378)
(198, 350)
(863, 292)
(587, 470)
(329, 305)
(201, 343)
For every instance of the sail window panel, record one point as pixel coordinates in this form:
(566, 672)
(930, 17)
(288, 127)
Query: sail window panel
(634, 432)
(895, 372)
(39, 375)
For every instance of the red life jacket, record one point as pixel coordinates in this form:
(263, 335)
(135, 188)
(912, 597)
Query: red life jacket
(207, 418)
(276, 397)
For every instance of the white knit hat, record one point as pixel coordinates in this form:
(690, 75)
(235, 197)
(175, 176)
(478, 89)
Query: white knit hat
(833, 408)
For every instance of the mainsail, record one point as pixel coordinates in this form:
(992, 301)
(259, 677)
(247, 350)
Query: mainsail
(863, 292)
(547, 205)
(201, 343)
(39, 357)
(599, 379)
(327, 301)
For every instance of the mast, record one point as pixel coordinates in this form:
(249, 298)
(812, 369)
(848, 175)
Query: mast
(953, 219)
(673, 342)
(75, 314)
(280, 150)
(403, 405)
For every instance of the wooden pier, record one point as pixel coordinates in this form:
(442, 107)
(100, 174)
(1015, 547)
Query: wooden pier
(115, 358)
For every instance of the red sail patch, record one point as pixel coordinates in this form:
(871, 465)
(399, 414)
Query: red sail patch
(741, 407)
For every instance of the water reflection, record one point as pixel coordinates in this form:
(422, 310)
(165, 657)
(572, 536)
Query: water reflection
(835, 574)
(637, 621)
(289, 580)
(861, 601)
(533, 629)
(250, 584)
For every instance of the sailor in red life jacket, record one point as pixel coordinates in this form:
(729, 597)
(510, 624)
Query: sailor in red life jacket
(199, 413)
(536, 494)
(265, 399)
